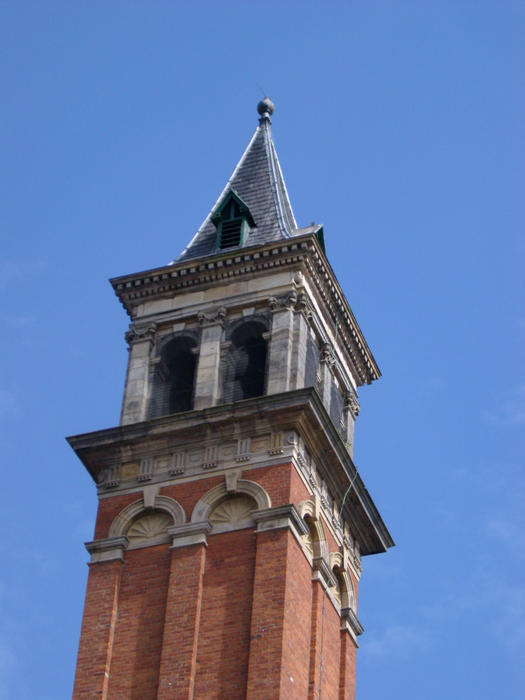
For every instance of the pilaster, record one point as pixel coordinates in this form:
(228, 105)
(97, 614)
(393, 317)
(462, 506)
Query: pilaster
(207, 387)
(140, 338)
(182, 623)
(281, 343)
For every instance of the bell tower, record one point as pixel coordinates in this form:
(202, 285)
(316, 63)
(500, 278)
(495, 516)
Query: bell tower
(232, 522)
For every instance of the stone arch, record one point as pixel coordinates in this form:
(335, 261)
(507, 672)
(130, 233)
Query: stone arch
(134, 511)
(219, 494)
(315, 541)
(343, 592)
(174, 374)
(244, 363)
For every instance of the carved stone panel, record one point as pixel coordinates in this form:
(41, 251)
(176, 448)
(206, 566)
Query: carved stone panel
(149, 526)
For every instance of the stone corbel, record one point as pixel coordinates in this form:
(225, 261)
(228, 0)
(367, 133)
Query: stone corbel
(107, 549)
(327, 354)
(189, 534)
(351, 403)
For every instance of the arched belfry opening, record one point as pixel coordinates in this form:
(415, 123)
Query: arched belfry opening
(174, 379)
(245, 362)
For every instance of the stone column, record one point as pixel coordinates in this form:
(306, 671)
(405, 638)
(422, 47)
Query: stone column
(298, 364)
(183, 612)
(100, 615)
(207, 388)
(281, 343)
(140, 339)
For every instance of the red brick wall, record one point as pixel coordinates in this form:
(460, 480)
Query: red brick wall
(224, 638)
(347, 664)
(330, 651)
(238, 618)
(296, 629)
(182, 623)
(100, 609)
(138, 633)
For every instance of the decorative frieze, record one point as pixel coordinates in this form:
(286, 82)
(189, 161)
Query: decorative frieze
(177, 463)
(146, 469)
(243, 450)
(210, 457)
(110, 478)
(276, 443)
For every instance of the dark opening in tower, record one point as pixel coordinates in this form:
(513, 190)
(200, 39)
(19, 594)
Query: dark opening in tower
(245, 370)
(174, 380)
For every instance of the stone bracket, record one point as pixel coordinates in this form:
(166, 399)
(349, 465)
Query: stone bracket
(107, 549)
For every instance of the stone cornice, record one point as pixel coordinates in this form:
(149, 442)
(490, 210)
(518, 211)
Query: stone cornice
(298, 252)
(301, 410)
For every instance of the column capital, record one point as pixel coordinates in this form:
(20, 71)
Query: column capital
(213, 317)
(141, 332)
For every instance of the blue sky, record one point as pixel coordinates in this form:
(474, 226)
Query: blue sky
(399, 125)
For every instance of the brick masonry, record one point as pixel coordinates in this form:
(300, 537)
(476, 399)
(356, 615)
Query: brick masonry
(237, 617)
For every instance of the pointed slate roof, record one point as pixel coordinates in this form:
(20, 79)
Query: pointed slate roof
(258, 181)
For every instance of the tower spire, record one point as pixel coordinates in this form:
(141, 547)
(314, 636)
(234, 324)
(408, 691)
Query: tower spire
(258, 181)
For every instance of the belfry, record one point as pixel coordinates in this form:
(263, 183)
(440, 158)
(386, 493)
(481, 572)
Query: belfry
(232, 521)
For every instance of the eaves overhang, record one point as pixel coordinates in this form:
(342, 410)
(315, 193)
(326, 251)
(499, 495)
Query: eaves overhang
(301, 410)
(297, 252)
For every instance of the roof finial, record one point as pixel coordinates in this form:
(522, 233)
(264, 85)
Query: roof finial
(265, 108)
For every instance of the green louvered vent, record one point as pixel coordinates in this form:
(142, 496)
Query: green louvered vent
(231, 233)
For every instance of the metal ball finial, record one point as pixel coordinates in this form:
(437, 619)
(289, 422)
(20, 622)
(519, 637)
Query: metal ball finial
(266, 108)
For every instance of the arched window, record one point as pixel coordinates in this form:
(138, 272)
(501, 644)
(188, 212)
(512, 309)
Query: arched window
(174, 379)
(245, 370)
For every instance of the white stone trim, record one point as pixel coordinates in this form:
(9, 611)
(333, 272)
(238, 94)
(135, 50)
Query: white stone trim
(127, 515)
(189, 534)
(107, 549)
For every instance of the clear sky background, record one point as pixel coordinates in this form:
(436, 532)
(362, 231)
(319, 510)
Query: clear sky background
(399, 125)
